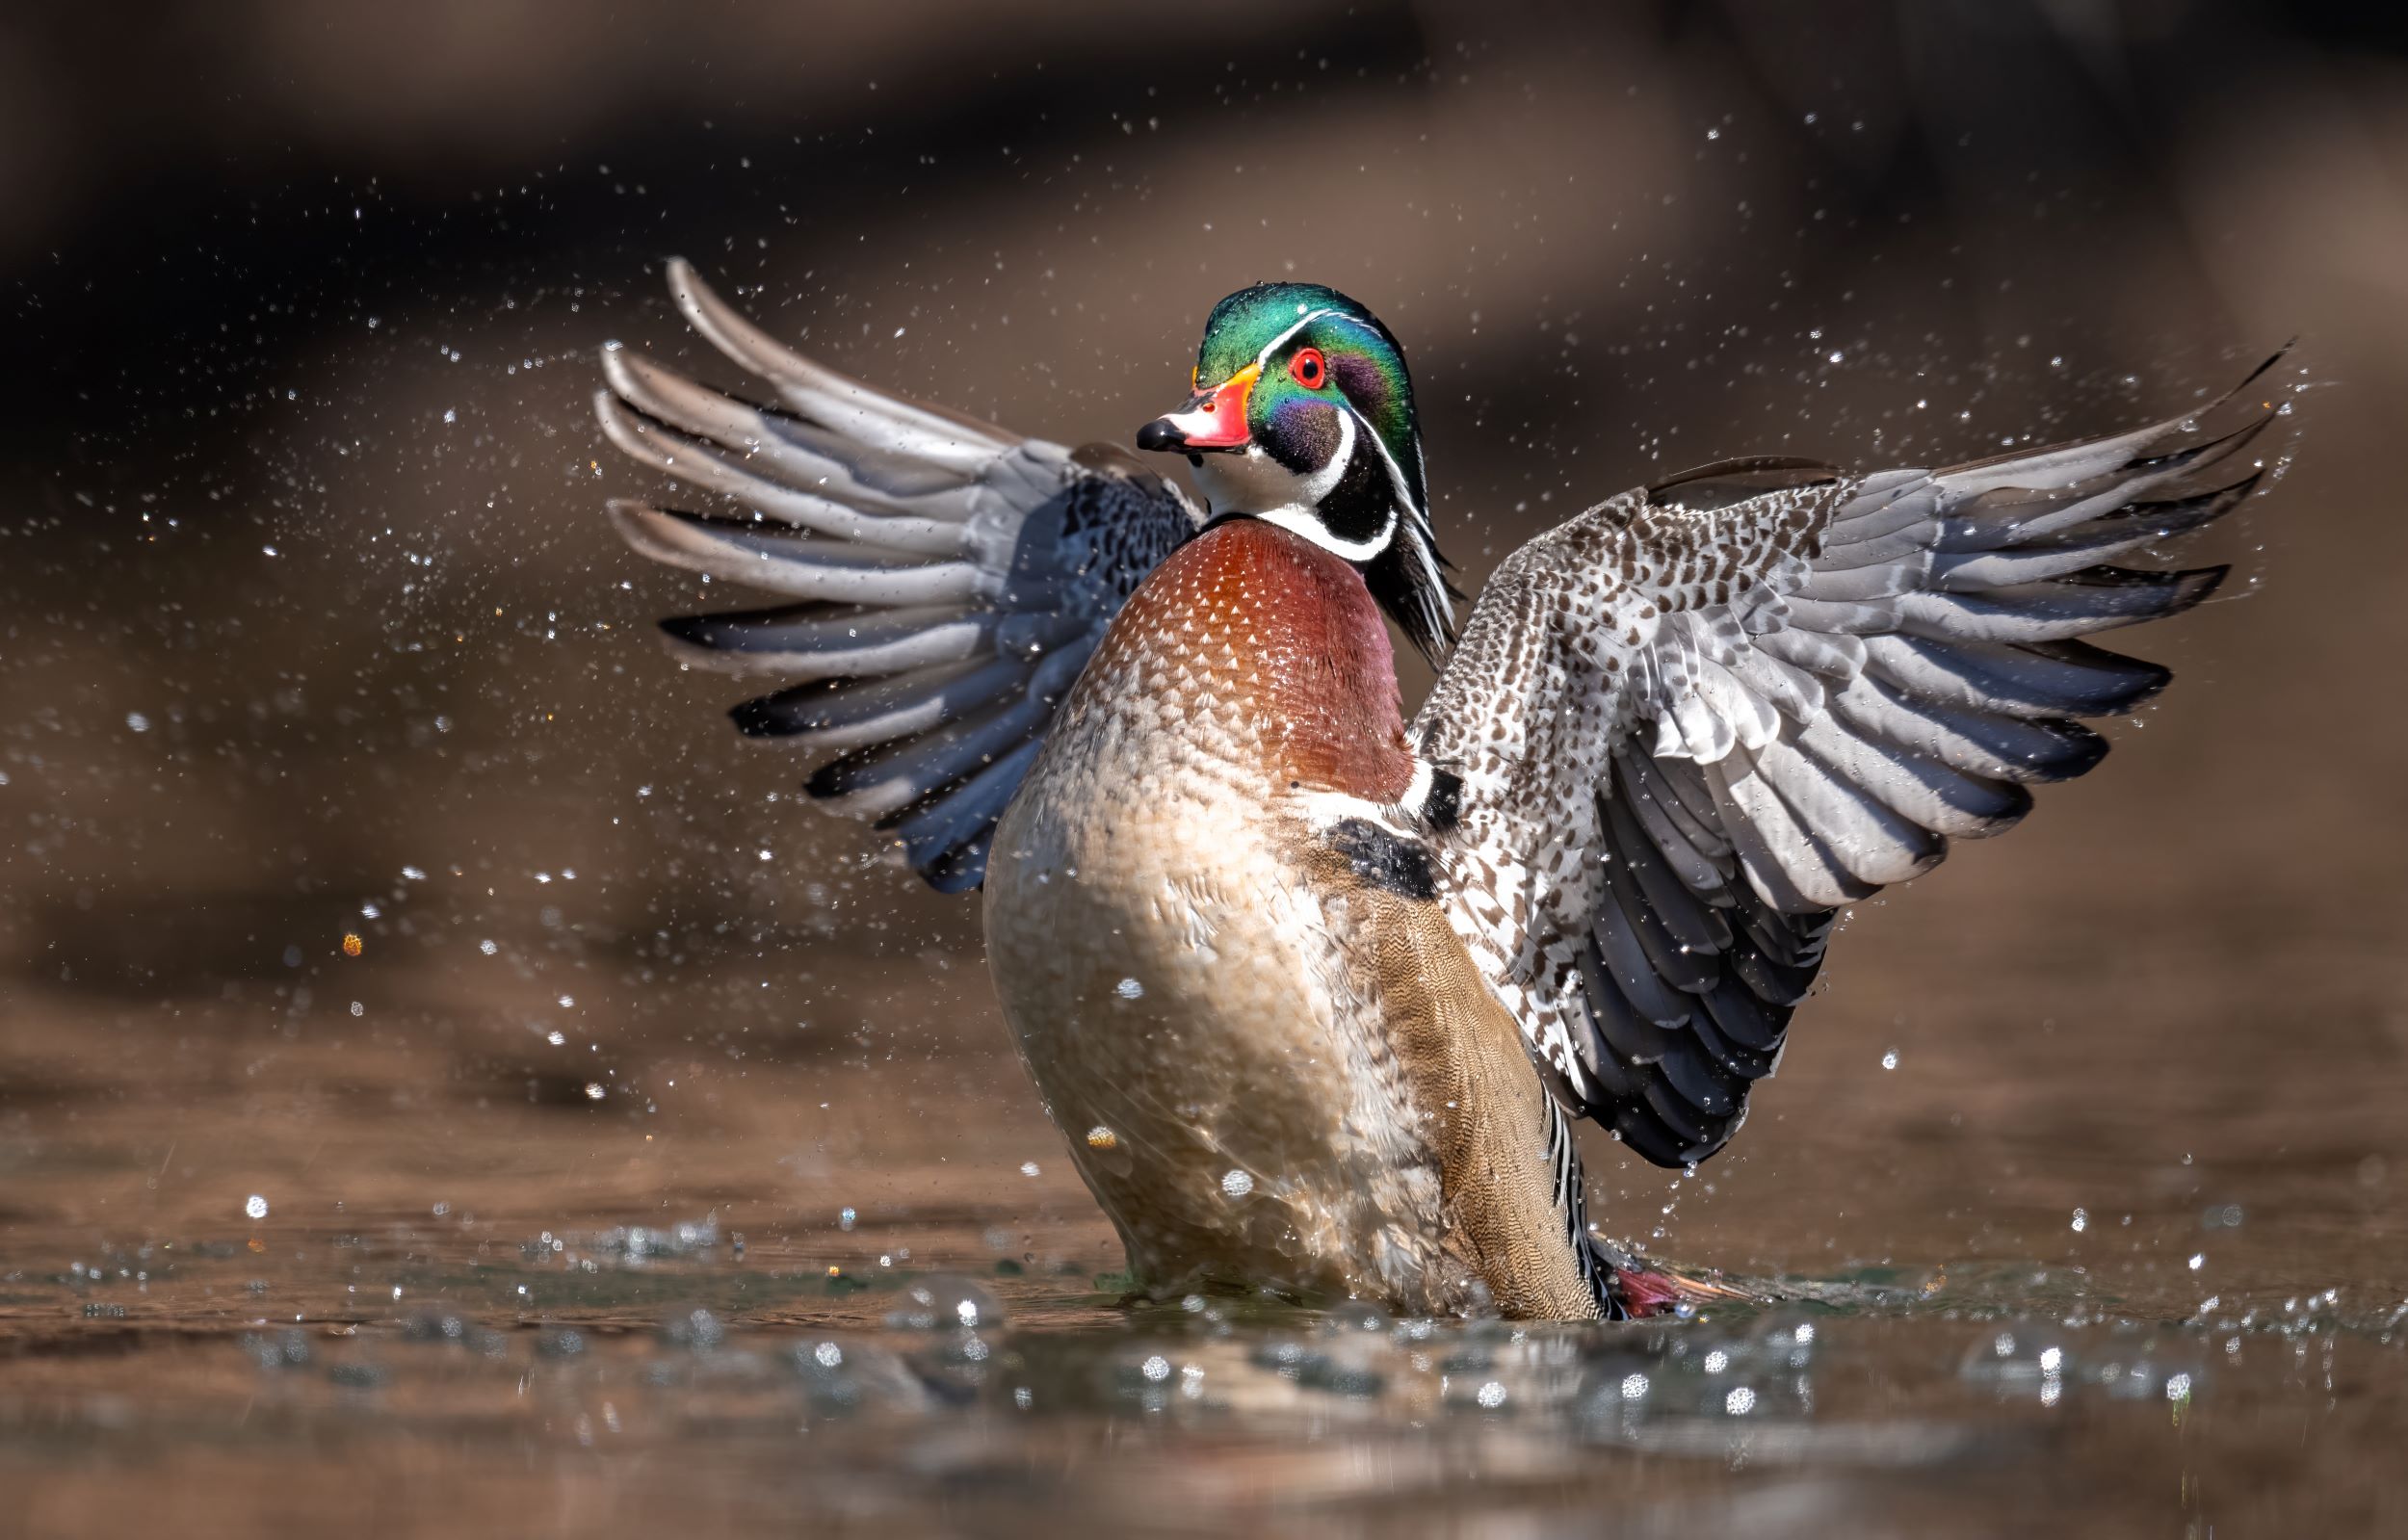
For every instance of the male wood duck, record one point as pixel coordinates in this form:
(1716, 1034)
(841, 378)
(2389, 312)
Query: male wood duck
(1313, 992)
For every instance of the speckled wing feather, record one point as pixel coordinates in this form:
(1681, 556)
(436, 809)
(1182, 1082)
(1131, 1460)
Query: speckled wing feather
(1696, 720)
(945, 580)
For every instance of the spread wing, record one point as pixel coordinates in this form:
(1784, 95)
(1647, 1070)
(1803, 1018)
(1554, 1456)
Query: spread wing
(943, 582)
(1694, 721)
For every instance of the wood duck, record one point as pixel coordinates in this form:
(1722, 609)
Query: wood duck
(1312, 991)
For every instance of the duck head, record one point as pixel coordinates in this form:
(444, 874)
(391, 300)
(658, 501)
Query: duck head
(1301, 414)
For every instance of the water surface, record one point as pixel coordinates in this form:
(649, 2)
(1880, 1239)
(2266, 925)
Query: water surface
(464, 1304)
(437, 1059)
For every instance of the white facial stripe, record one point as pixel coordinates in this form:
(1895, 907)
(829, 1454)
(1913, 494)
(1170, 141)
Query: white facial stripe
(1322, 483)
(1433, 583)
(1251, 482)
(1227, 485)
(1395, 474)
(1301, 513)
(1262, 359)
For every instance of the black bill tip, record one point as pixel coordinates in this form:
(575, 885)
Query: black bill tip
(1160, 434)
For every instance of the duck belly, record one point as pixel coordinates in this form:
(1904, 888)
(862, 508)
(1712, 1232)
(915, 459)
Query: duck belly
(1183, 1003)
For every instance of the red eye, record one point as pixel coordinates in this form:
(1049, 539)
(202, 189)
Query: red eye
(1308, 367)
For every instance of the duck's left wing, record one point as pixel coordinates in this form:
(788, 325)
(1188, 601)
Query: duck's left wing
(1692, 723)
(945, 580)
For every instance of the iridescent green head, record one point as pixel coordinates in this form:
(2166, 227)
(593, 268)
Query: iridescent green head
(1302, 415)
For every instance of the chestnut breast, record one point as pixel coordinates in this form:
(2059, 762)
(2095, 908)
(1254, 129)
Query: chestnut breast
(1269, 648)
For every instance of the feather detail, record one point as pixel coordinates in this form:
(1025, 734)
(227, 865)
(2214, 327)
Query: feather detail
(955, 576)
(1696, 722)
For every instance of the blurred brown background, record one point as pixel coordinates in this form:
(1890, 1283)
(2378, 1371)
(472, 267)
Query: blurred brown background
(309, 624)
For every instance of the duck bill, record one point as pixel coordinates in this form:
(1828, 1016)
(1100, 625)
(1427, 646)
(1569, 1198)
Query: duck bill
(1212, 420)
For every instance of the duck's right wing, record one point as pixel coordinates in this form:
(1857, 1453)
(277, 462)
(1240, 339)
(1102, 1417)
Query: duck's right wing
(945, 580)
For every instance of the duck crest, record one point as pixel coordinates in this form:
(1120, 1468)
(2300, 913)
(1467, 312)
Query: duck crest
(1277, 639)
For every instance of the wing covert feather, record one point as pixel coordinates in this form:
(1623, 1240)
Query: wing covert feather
(952, 577)
(1696, 722)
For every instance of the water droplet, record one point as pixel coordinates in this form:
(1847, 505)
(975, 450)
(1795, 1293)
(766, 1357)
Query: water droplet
(2005, 1344)
(594, 1092)
(2081, 1222)
(1889, 1058)
(1491, 1396)
(255, 1207)
(1028, 1168)
(1633, 1386)
(137, 721)
(1718, 1361)
(1238, 1184)
(2198, 1260)
(1100, 1137)
(2052, 1359)
(844, 1217)
(1155, 1368)
(1739, 1402)
(1129, 989)
(2178, 1386)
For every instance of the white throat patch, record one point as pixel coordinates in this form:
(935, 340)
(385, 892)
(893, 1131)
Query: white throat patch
(1251, 482)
